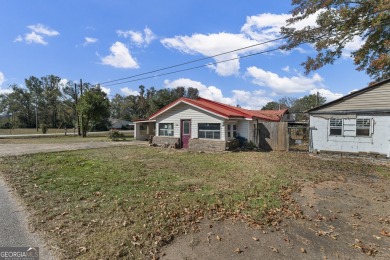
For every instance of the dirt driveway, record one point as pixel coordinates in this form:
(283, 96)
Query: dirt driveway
(348, 218)
(20, 149)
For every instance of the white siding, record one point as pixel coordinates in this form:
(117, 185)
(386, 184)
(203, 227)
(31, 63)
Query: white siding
(379, 141)
(184, 111)
(243, 128)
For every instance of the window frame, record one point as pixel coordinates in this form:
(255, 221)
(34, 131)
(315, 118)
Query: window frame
(362, 126)
(232, 131)
(166, 131)
(336, 126)
(216, 134)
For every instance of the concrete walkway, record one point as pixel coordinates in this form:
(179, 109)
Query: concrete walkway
(13, 217)
(14, 226)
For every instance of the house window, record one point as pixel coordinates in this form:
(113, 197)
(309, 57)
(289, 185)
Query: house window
(209, 131)
(232, 131)
(363, 127)
(335, 126)
(165, 129)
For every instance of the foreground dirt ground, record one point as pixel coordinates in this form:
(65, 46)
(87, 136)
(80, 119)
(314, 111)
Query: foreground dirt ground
(348, 218)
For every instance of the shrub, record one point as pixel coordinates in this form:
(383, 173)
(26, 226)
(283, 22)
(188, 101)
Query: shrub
(250, 145)
(44, 128)
(242, 141)
(116, 135)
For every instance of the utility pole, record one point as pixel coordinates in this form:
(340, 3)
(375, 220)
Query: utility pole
(77, 114)
(81, 114)
(36, 109)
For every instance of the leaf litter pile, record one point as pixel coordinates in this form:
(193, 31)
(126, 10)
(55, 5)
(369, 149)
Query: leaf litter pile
(130, 202)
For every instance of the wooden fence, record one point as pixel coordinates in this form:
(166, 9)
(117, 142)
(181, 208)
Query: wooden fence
(272, 136)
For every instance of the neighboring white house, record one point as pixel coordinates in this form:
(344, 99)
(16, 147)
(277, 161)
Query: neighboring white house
(120, 124)
(356, 123)
(202, 124)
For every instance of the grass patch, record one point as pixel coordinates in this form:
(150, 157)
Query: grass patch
(59, 139)
(130, 201)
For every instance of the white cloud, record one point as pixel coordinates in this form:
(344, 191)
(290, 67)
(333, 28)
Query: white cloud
(356, 43)
(330, 96)
(264, 27)
(63, 82)
(141, 39)
(212, 44)
(43, 30)
(257, 29)
(2, 80)
(120, 57)
(34, 38)
(89, 40)
(37, 34)
(250, 99)
(129, 92)
(246, 99)
(284, 85)
(19, 38)
(106, 90)
(286, 69)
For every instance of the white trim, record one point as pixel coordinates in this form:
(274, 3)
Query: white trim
(182, 101)
(145, 121)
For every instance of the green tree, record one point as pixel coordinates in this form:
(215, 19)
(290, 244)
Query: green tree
(68, 109)
(93, 107)
(305, 103)
(35, 87)
(337, 24)
(116, 106)
(272, 105)
(18, 106)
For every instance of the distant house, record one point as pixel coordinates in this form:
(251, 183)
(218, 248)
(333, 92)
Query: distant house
(119, 124)
(356, 123)
(202, 124)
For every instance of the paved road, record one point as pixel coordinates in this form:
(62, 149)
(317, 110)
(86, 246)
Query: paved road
(13, 217)
(14, 226)
(20, 149)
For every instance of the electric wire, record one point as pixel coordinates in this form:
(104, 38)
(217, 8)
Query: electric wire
(115, 82)
(192, 68)
(193, 61)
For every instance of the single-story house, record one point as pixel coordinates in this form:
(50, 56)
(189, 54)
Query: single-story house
(119, 124)
(358, 123)
(202, 124)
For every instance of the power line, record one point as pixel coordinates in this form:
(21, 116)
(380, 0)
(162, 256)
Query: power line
(197, 67)
(193, 61)
(204, 65)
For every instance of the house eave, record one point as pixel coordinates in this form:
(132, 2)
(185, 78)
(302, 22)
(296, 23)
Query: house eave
(349, 96)
(347, 112)
(190, 104)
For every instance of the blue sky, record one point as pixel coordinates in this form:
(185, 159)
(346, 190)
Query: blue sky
(100, 41)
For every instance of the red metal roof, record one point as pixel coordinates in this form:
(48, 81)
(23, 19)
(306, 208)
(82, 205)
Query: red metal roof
(226, 111)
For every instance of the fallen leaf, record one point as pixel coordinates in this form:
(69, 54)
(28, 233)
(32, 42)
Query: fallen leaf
(385, 233)
(274, 249)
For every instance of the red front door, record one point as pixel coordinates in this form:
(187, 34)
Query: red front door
(185, 132)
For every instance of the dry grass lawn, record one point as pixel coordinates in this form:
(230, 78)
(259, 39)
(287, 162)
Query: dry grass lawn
(128, 202)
